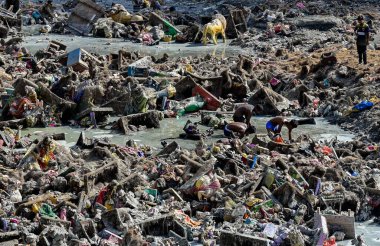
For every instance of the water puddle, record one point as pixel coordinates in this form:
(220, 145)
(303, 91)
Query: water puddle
(171, 128)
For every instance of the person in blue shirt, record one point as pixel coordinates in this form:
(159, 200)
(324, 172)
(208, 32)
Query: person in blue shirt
(274, 126)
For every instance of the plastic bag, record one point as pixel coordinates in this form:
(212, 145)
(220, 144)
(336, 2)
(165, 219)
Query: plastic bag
(363, 105)
(330, 242)
(326, 150)
(194, 106)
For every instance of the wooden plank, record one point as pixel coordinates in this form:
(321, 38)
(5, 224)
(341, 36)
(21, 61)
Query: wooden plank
(132, 181)
(82, 199)
(231, 30)
(201, 171)
(165, 22)
(82, 17)
(59, 136)
(42, 198)
(255, 185)
(239, 20)
(7, 13)
(90, 178)
(184, 88)
(14, 124)
(149, 119)
(218, 78)
(49, 221)
(320, 222)
(7, 236)
(91, 56)
(228, 238)
(168, 149)
(372, 191)
(55, 45)
(347, 223)
(270, 195)
(212, 103)
(93, 109)
(190, 161)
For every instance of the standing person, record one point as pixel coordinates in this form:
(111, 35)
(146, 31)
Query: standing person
(274, 126)
(362, 39)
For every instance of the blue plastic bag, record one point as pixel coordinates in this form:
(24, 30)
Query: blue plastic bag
(363, 105)
(36, 15)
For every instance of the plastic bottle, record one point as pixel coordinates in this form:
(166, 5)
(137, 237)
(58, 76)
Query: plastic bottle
(254, 162)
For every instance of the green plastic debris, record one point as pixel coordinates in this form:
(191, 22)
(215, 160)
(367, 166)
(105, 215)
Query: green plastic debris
(265, 204)
(194, 106)
(46, 210)
(171, 31)
(152, 192)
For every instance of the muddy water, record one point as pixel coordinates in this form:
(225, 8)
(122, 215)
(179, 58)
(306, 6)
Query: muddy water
(104, 46)
(171, 128)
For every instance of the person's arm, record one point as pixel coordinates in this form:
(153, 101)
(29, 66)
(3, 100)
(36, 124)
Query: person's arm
(290, 133)
(248, 119)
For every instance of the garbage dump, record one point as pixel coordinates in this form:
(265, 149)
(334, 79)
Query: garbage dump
(242, 182)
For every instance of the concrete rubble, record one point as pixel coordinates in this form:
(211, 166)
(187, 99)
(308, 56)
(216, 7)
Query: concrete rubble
(299, 60)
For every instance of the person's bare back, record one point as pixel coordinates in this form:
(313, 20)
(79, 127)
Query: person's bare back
(243, 113)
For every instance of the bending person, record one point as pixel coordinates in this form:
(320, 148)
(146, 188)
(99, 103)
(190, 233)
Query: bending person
(238, 129)
(244, 113)
(274, 126)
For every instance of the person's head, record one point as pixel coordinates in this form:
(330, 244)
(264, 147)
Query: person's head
(360, 18)
(258, 109)
(291, 124)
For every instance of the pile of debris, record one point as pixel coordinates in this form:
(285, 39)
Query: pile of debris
(248, 191)
(233, 191)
